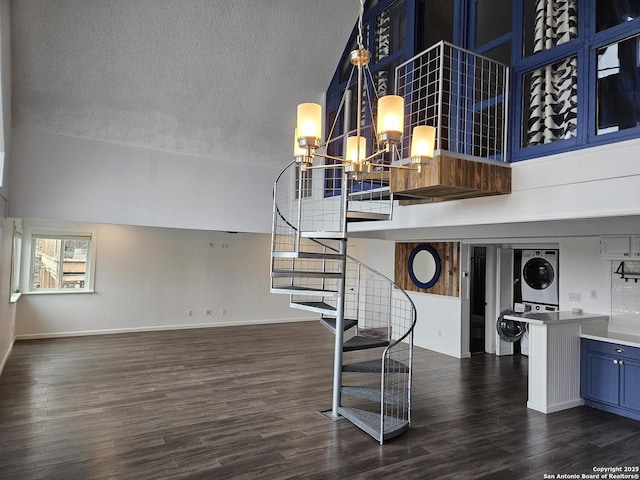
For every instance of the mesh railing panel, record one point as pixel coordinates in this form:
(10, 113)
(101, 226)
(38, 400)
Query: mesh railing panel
(321, 208)
(384, 310)
(462, 94)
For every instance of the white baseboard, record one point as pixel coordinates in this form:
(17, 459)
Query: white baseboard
(555, 407)
(6, 357)
(111, 331)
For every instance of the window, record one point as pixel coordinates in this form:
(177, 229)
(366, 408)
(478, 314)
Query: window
(618, 86)
(303, 189)
(490, 33)
(15, 263)
(59, 263)
(563, 44)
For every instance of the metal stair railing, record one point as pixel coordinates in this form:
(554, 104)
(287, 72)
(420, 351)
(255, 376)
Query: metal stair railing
(316, 207)
(384, 309)
(309, 225)
(461, 93)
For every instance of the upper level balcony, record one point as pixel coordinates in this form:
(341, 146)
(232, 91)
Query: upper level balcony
(465, 96)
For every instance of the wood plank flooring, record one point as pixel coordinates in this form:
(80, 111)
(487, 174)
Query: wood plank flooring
(242, 403)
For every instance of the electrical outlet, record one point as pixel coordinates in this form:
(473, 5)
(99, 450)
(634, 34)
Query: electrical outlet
(223, 311)
(594, 294)
(574, 297)
(189, 313)
(208, 312)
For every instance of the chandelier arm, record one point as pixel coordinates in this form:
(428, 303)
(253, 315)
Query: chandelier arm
(373, 89)
(379, 152)
(398, 167)
(325, 166)
(331, 157)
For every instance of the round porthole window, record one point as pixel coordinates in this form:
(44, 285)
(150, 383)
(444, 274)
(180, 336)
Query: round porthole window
(424, 266)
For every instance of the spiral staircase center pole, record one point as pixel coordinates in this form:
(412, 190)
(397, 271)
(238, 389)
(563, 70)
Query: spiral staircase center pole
(339, 337)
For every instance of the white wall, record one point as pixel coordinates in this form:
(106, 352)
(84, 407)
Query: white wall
(565, 192)
(439, 320)
(439, 325)
(147, 278)
(173, 114)
(7, 310)
(582, 271)
(61, 178)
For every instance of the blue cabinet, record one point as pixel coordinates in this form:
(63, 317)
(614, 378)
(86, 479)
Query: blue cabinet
(610, 377)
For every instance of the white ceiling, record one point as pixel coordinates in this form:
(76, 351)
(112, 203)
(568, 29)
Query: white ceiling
(217, 79)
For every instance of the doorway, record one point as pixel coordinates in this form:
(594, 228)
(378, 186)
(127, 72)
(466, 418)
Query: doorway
(478, 302)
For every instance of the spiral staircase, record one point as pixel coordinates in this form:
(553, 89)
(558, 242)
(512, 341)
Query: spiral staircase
(371, 317)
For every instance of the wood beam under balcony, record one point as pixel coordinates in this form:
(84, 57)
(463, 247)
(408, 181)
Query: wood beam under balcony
(450, 178)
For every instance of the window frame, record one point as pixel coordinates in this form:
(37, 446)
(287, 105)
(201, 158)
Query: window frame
(584, 47)
(16, 255)
(33, 231)
(337, 86)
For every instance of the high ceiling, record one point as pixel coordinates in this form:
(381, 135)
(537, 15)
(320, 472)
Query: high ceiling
(217, 79)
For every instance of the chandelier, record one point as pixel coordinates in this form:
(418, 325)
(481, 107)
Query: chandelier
(358, 157)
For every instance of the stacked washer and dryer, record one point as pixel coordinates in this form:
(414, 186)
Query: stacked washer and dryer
(535, 290)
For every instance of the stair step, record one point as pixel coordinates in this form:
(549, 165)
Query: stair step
(323, 234)
(372, 194)
(317, 255)
(370, 423)
(394, 396)
(318, 307)
(359, 342)
(296, 290)
(330, 323)
(304, 274)
(355, 216)
(375, 366)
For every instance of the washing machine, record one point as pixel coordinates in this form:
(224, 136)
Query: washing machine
(509, 330)
(539, 277)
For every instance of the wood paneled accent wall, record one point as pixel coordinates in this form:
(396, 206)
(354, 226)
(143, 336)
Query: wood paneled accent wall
(449, 282)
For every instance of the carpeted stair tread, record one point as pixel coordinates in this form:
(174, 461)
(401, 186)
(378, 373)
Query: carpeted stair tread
(359, 342)
(393, 396)
(370, 423)
(319, 307)
(330, 323)
(310, 255)
(304, 274)
(375, 366)
(299, 290)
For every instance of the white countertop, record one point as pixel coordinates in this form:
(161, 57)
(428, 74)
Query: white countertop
(549, 318)
(603, 334)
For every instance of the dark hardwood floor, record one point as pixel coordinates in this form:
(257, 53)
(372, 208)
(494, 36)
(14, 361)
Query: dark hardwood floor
(242, 403)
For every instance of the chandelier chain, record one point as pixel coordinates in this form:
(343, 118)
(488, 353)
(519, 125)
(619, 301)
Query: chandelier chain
(360, 41)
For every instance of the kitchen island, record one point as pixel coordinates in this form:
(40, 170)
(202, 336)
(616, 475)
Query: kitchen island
(554, 357)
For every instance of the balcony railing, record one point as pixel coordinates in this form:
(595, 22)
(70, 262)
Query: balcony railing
(462, 94)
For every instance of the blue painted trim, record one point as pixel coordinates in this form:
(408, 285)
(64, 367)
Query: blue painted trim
(461, 22)
(585, 48)
(436, 258)
(496, 42)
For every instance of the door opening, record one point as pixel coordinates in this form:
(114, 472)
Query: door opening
(478, 300)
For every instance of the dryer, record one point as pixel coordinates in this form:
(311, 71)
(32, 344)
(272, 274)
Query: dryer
(539, 277)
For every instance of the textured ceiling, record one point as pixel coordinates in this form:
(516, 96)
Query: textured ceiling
(218, 79)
